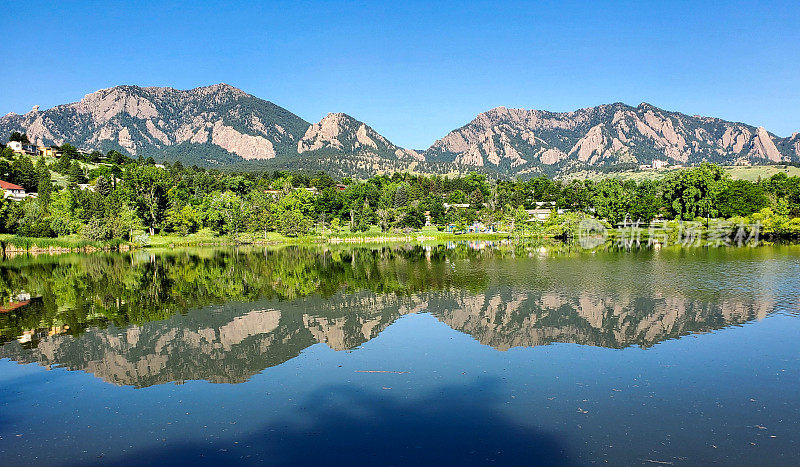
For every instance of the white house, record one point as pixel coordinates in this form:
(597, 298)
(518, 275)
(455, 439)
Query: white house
(21, 148)
(11, 191)
(456, 205)
(540, 215)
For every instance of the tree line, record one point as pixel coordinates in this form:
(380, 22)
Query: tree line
(111, 196)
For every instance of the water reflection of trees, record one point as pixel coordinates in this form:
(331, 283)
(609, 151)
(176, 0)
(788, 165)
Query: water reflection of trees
(123, 317)
(88, 291)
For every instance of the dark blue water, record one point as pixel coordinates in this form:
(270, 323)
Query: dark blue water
(507, 356)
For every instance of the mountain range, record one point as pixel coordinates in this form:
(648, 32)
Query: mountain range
(221, 125)
(233, 342)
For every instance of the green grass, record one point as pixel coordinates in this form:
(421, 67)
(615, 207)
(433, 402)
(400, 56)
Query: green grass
(207, 237)
(60, 179)
(9, 241)
(750, 173)
(754, 173)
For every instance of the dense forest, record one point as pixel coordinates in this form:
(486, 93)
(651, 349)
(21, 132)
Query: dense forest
(111, 196)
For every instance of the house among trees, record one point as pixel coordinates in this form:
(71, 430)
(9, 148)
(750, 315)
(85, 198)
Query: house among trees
(657, 165)
(23, 148)
(11, 191)
(20, 144)
(539, 215)
(50, 151)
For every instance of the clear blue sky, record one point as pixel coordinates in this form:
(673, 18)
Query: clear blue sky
(416, 70)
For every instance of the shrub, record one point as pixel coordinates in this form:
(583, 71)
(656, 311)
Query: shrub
(96, 230)
(39, 229)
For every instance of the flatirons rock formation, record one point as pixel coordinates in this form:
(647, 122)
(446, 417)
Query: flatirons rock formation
(221, 124)
(344, 135)
(231, 343)
(791, 145)
(519, 140)
(219, 121)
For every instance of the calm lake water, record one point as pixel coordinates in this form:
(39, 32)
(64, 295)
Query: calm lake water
(449, 354)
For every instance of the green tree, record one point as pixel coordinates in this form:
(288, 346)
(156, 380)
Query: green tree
(76, 175)
(129, 223)
(645, 203)
(610, 200)
(233, 211)
(413, 217)
(741, 198)
(692, 193)
(69, 150)
(401, 196)
(145, 187)
(336, 225)
(24, 173)
(260, 218)
(292, 223)
(436, 208)
(19, 137)
(184, 221)
(45, 187)
(520, 219)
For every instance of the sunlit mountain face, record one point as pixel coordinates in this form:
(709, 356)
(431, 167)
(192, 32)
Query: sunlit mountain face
(220, 125)
(148, 318)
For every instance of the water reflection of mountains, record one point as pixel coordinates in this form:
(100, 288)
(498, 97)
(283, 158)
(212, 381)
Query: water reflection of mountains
(502, 298)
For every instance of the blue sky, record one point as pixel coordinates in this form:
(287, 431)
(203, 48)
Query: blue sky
(416, 70)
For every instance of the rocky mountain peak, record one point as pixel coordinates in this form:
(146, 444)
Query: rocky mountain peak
(535, 141)
(226, 122)
(339, 122)
(221, 124)
(341, 133)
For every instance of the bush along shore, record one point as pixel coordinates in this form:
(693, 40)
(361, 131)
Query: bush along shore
(12, 245)
(582, 230)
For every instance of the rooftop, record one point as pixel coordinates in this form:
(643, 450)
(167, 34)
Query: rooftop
(9, 186)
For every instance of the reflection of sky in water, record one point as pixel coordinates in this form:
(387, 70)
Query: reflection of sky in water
(466, 374)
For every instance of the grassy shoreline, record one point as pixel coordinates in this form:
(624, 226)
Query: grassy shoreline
(15, 245)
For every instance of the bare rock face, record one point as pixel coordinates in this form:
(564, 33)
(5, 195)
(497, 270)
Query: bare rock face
(552, 156)
(221, 124)
(521, 141)
(796, 143)
(342, 134)
(763, 146)
(519, 320)
(153, 121)
(105, 104)
(246, 146)
(595, 146)
(789, 147)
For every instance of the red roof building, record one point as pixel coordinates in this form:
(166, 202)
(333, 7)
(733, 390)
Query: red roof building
(10, 186)
(11, 191)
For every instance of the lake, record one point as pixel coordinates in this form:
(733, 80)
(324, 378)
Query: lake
(464, 353)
